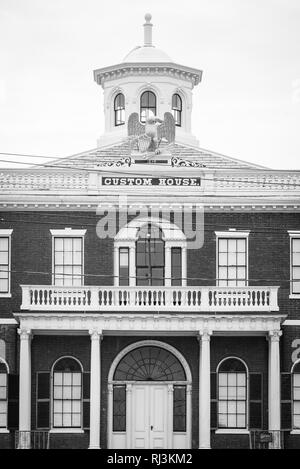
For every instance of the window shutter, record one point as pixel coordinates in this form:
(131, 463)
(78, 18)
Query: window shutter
(286, 401)
(43, 400)
(86, 377)
(255, 401)
(13, 402)
(213, 402)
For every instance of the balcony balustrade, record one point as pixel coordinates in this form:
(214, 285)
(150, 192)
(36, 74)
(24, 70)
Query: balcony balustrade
(139, 299)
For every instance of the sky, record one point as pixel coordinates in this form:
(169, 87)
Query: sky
(247, 106)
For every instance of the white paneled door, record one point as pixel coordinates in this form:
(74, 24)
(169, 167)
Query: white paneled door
(149, 416)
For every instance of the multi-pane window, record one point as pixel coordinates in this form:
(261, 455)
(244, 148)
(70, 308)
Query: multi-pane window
(179, 409)
(176, 267)
(150, 259)
(4, 264)
(3, 395)
(68, 261)
(119, 408)
(124, 266)
(148, 106)
(232, 262)
(177, 109)
(67, 394)
(232, 394)
(295, 265)
(296, 396)
(119, 109)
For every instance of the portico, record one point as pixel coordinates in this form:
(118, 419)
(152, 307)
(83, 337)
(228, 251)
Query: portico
(154, 325)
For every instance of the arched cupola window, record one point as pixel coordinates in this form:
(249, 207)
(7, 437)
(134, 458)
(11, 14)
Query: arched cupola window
(177, 109)
(150, 259)
(147, 105)
(119, 108)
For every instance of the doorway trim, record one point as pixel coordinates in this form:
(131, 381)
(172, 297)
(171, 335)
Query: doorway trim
(113, 366)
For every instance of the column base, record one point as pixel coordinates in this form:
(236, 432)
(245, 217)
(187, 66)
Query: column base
(204, 447)
(94, 447)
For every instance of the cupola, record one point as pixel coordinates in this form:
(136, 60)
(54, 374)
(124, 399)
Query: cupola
(147, 81)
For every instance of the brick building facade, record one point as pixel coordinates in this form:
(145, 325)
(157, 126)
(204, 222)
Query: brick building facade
(149, 297)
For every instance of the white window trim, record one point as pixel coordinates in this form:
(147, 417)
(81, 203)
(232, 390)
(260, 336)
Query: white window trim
(235, 430)
(130, 243)
(65, 429)
(7, 234)
(234, 234)
(5, 429)
(67, 233)
(293, 235)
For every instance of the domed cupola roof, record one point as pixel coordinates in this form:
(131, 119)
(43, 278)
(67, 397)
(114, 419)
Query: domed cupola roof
(149, 60)
(147, 52)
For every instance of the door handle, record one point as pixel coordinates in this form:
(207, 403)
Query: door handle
(151, 428)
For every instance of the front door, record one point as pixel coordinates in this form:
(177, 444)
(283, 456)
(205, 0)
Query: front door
(149, 416)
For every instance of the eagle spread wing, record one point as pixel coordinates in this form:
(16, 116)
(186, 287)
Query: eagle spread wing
(167, 128)
(135, 128)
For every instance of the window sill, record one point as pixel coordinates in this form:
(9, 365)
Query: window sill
(66, 430)
(232, 431)
(295, 432)
(5, 295)
(4, 430)
(294, 296)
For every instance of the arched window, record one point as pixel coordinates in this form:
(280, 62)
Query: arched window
(150, 256)
(296, 396)
(232, 394)
(149, 363)
(3, 394)
(148, 105)
(177, 108)
(119, 108)
(67, 393)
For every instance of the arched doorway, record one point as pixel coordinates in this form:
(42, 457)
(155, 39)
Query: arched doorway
(149, 398)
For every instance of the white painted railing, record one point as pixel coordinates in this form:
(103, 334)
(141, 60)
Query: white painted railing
(172, 299)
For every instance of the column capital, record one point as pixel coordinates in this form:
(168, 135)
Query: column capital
(110, 388)
(204, 335)
(274, 336)
(170, 388)
(25, 334)
(95, 334)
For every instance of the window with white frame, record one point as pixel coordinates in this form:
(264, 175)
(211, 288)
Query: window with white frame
(150, 253)
(3, 394)
(68, 257)
(295, 262)
(232, 259)
(296, 396)
(67, 394)
(232, 394)
(5, 256)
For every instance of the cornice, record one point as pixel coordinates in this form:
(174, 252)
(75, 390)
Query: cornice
(122, 70)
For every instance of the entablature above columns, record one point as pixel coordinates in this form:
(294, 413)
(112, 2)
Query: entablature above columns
(150, 324)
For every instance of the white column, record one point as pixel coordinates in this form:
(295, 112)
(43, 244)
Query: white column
(204, 390)
(95, 390)
(25, 389)
(274, 387)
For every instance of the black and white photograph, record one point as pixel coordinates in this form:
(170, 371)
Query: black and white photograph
(149, 227)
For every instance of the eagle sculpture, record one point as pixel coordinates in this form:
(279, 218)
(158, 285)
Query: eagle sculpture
(148, 136)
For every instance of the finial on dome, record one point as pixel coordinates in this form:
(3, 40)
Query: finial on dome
(148, 31)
